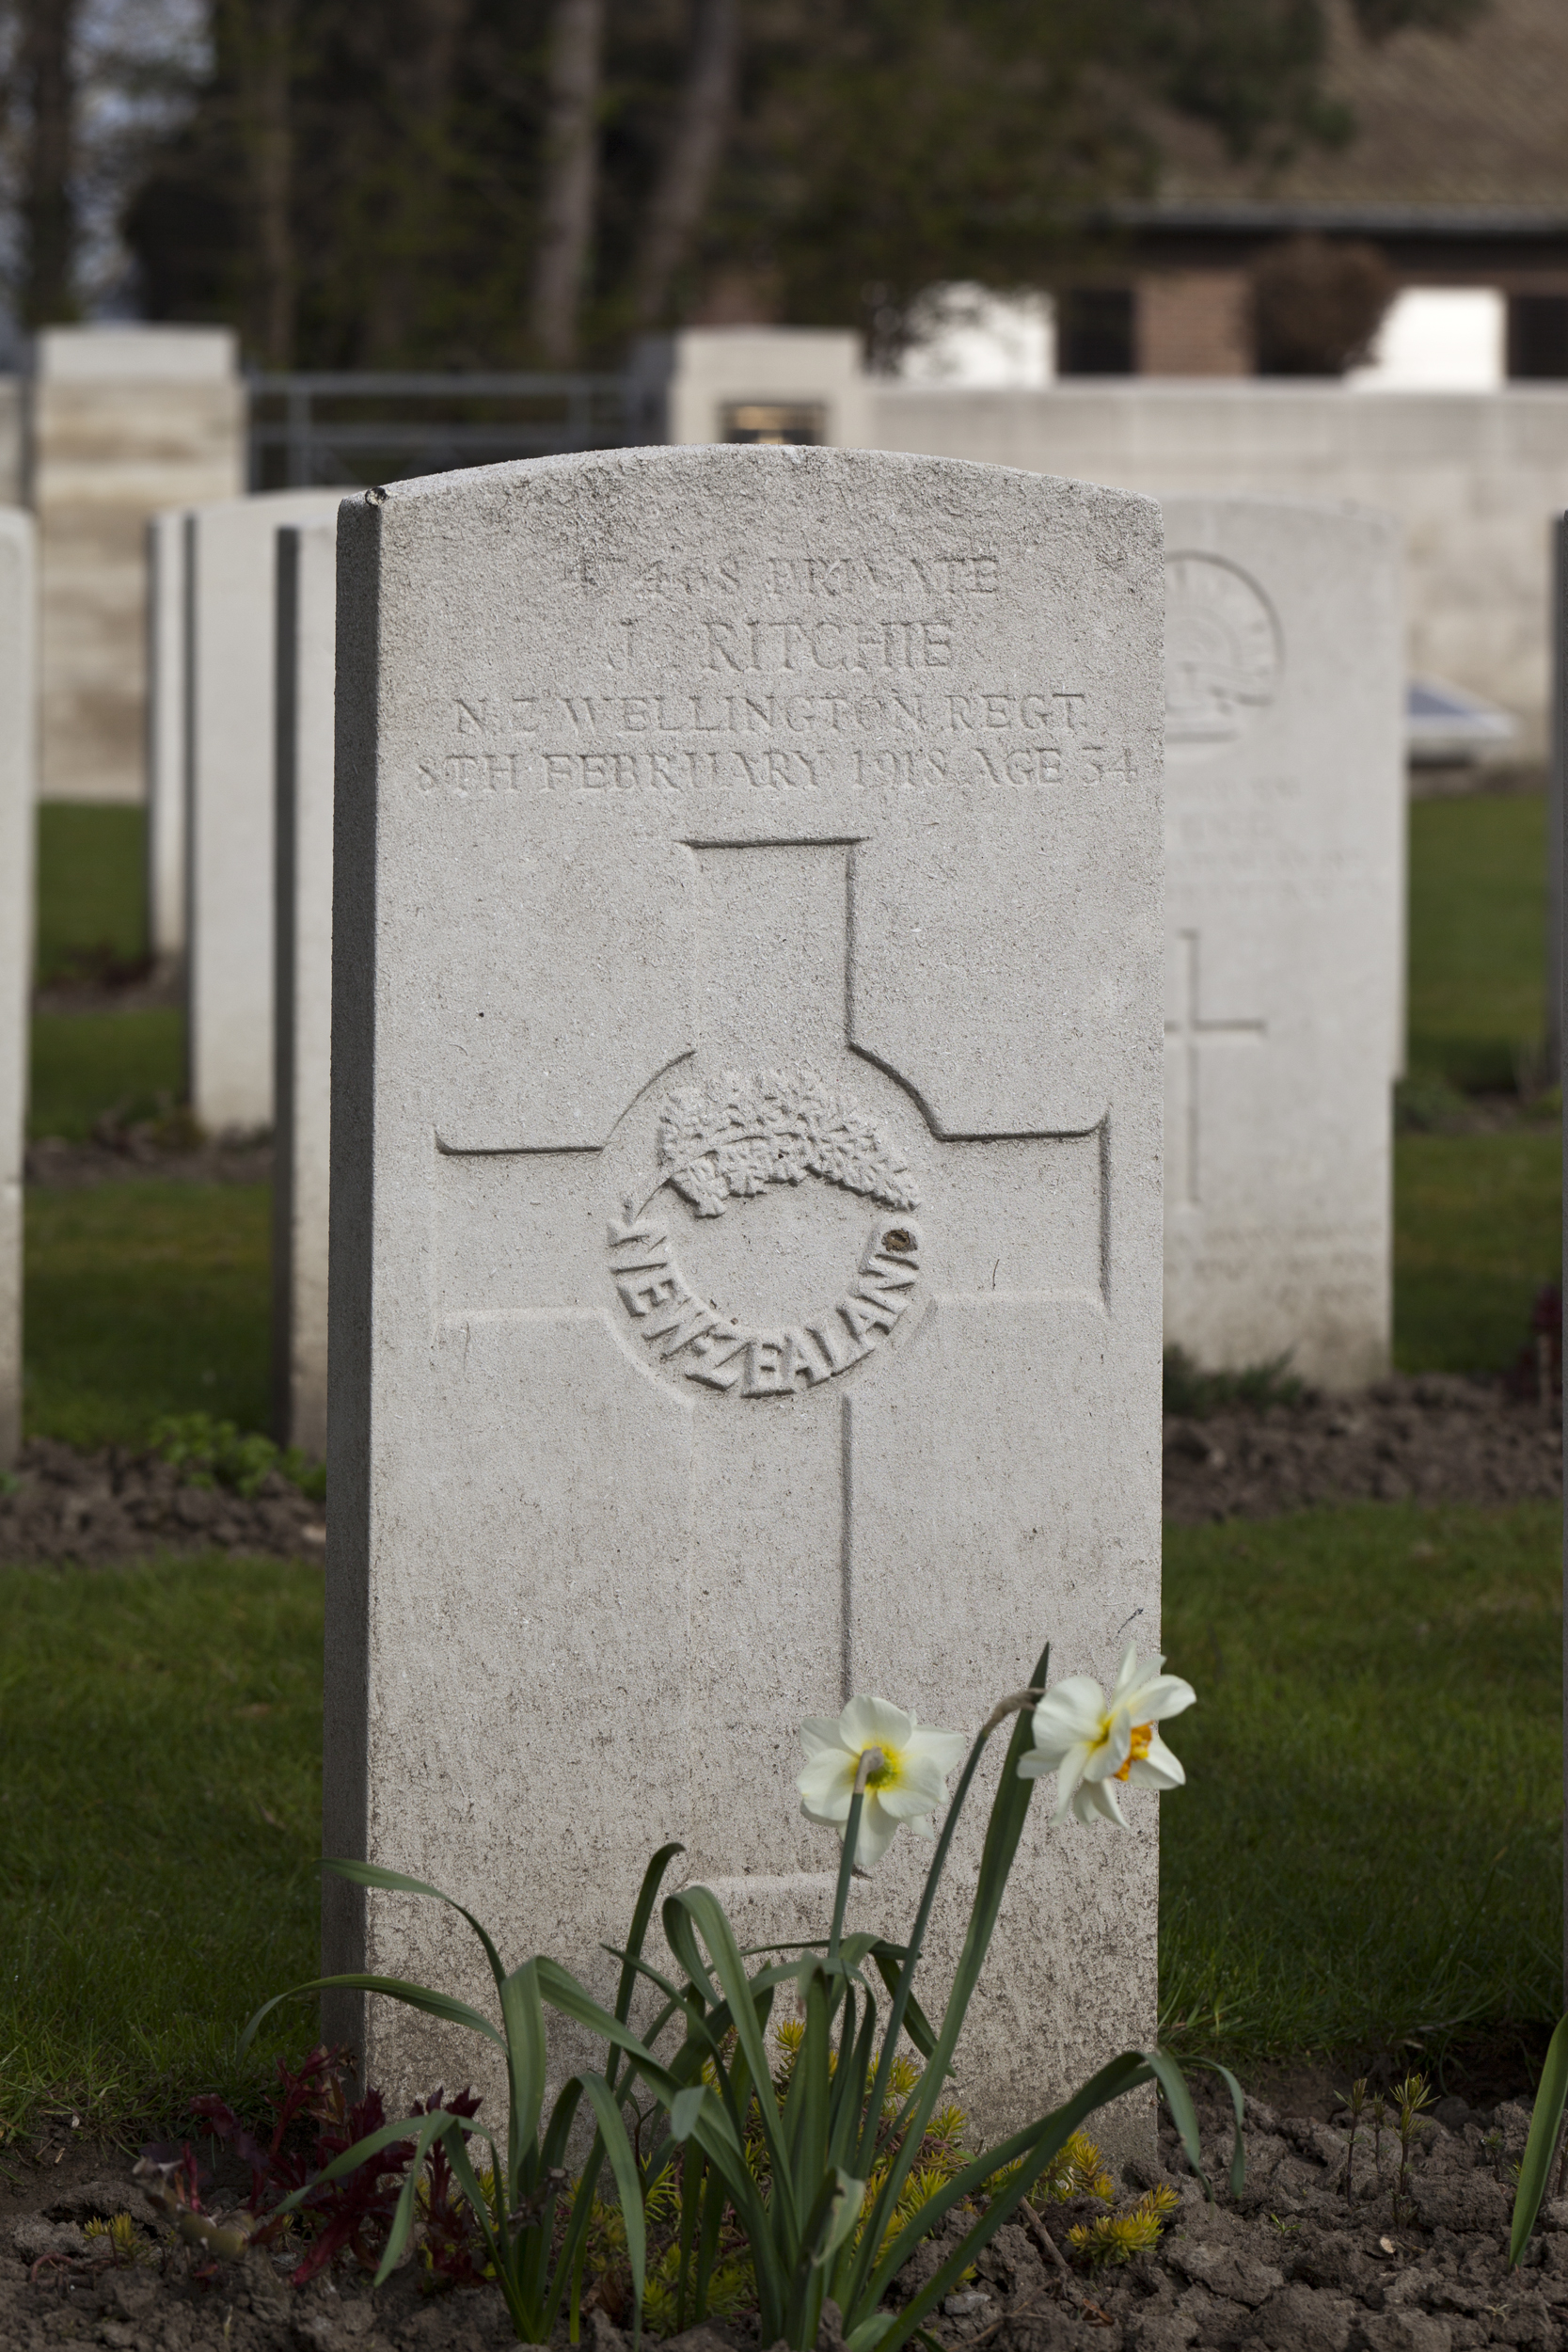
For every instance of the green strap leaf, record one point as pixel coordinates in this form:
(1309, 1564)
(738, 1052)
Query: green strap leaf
(686, 2106)
(889, 1959)
(848, 2092)
(523, 2021)
(442, 2005)
(395, 1883)
(1003, 1831)
(675, 1913)
(438, 2126)
(698, 1908)
(1551, 2096)
(623, 2164)
(496, 2244)
(647, 1896)
(806, 2106)
(709, 2235)
(1183, 2114)
(844, 2211)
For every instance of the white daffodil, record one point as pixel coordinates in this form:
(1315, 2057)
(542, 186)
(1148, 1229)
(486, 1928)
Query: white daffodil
(1089, 1740)
(906, 1786)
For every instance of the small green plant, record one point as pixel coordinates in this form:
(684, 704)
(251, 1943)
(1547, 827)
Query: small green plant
(730, 2289)
(1411, 2098)
(1380, 2122)
(1077, 2169)
(1425, 1102)
(1116, 2238)
(118, 2238)
(214, 1453)
(1195, 1394)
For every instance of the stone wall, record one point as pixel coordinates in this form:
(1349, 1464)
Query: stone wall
(123, 421)
(1474, 479)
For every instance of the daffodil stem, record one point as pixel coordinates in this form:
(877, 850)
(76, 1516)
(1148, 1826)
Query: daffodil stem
(872, 1760)
(1013, 1704)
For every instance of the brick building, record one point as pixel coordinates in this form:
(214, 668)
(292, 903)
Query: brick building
(1457, 173)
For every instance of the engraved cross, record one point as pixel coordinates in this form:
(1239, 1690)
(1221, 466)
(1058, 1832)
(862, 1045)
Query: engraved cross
(794, 1262)
(1188, 1033)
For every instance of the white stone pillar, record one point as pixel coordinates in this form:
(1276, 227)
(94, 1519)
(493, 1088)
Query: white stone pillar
(230, 787)
(306, 590)
(18, 725)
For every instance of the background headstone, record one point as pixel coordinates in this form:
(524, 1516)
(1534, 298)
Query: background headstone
(18, 721)
(1285, 825)
(306, 593)
(230, 627)
(121, 423)
(745, 1192)
(165, 735)
(1557, 757)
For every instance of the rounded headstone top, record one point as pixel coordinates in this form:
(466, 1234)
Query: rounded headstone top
(1225, 653)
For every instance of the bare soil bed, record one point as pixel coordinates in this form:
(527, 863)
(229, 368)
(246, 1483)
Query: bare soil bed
(1436, 1438)
(117, 1154)
(1318, 2254)
(94, 1508)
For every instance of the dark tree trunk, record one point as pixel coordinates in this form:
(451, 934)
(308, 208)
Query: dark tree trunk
(255, 41)
(571, 170)
(271, 171)
(426, 46)
(48, 207)
(696, 144)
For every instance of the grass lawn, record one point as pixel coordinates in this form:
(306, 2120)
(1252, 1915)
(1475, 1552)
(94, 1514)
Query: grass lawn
(1369, 1845)
(1478, 1227)
(160, 1816)
(92, 886)
(1368, 1848)
(145, 1299)
(1478, 932)
(87, 1063)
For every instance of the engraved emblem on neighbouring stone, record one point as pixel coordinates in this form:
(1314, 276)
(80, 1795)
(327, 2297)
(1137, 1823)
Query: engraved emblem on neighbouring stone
(1223, 653)
(731, 1139)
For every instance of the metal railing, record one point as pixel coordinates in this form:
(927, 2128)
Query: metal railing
(355, 429)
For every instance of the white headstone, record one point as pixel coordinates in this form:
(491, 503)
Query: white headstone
(230, 589)
(307, 594)
(18, 725)
(1285, 830)
(166, 735)
(744, 1190)
(1557, 758)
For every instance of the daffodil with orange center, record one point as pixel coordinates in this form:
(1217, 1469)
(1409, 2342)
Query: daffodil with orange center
(1090, 1741)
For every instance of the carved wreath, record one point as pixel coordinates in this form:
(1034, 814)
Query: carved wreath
(736, 1135)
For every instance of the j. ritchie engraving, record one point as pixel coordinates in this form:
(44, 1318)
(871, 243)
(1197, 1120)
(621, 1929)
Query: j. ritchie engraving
(731, 1139)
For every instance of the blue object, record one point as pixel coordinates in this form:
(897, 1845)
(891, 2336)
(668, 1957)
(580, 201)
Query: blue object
(1444, 723)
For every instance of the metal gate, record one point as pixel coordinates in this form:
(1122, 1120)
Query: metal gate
(353, 430)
